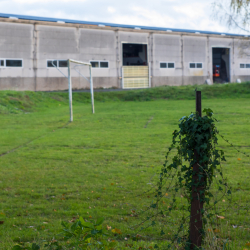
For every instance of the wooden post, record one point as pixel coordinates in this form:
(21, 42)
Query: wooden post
(198, 102)
(195, 234)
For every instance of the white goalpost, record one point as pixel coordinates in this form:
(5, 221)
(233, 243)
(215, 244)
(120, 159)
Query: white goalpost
(70, 85)
(69, 61)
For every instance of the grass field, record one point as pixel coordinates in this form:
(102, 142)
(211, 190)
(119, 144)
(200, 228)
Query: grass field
(99, 165)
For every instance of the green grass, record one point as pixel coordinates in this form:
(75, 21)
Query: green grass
(99, 164)
(27, 101)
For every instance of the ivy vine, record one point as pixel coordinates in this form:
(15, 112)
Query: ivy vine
(194, 143)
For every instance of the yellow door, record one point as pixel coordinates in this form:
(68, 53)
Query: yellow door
(135, 77)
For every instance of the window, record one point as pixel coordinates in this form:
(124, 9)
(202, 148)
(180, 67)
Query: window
(170, 65)
(195, 65)
(165, 65)
(14, 63)
(63, 63)
(245, 65)
(11, 63)
(104, 65)
(99, 64)
(95, 64)
(57, 63)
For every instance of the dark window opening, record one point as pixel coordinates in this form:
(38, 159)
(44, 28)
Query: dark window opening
(63, 63)
(1, 63)
(95, 64)
(221, 65)
(104, 64)
(163, 65)
(195, 65)
(14, 63)
(52, 64)
(170, 65)
(242, 66)
(134, 54)
(247, 65)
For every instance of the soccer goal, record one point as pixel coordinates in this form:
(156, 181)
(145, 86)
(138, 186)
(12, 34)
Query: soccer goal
(70, 84)
(90, 80)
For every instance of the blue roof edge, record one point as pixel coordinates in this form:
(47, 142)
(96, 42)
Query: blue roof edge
(47, 19)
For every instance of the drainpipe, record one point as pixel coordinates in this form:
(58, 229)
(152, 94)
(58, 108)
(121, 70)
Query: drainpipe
(35, 36)
(182, 60)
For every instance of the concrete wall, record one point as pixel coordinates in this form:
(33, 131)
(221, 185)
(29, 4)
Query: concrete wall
(241, 54)
(36, 43)
(167, 48)
(16, 41)
(83, 45)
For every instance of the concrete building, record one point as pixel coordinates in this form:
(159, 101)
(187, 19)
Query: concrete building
(122, 56)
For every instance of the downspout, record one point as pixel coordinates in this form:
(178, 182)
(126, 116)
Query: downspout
(35, 36)
(182, 60)
(209, 75)
(232, 79)
(152, 59)
(119, 85)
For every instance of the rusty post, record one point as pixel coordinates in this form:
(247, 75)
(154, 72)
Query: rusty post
(195, 228)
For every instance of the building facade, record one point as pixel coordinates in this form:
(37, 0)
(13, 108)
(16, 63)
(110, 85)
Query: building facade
(34, 50)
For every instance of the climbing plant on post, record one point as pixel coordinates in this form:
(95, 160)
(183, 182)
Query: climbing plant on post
(190, 174)
(198, 184)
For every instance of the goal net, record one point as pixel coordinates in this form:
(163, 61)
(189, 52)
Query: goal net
(74, 63)
(74, 70)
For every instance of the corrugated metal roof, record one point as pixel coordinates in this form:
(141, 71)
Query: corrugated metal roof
(36, 18)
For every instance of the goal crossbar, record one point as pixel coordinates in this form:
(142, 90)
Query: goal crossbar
(79, 62)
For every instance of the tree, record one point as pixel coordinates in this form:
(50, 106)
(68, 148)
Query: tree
(235, 13)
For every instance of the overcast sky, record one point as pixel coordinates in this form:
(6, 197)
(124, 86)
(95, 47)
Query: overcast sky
(191, 14)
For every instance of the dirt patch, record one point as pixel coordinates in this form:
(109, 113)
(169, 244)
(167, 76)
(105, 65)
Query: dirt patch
(57, 98)
(14, 98)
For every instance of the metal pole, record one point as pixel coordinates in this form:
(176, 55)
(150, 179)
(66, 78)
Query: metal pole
(91, 89)
(196, 213)
(70, 93)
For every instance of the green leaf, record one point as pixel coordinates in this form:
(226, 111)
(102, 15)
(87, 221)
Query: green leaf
(88, 225)
(16, 247)
(99, 221)
(35, 246)
(64, 224)
(94, 232)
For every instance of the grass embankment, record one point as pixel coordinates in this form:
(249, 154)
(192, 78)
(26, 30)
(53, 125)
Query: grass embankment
(97, 165)
(16, 102)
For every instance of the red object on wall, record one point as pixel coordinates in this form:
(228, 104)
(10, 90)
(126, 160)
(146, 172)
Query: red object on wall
(216, 71)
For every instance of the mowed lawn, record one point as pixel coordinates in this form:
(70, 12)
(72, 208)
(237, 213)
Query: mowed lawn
(100, 164)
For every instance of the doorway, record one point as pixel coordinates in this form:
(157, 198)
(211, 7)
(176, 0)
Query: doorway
(135, 70)
(134, 54)
(221, 65)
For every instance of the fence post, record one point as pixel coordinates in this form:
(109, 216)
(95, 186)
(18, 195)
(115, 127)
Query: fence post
(195, 228)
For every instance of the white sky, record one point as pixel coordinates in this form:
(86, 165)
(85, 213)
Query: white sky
(184, 14)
